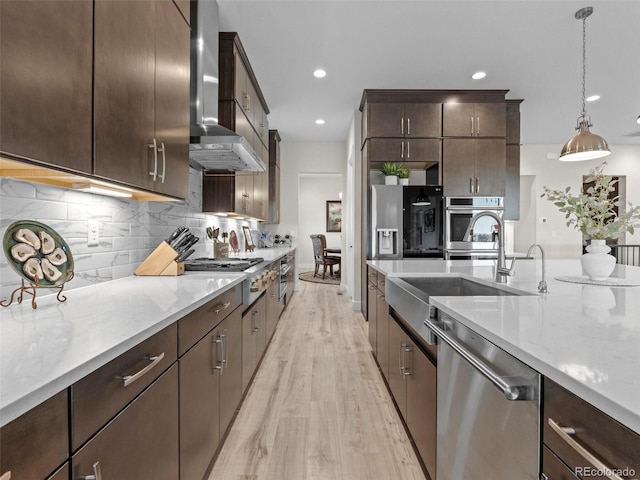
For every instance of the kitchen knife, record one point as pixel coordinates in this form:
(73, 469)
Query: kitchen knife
(191, 241)
(185, 255)
(180, 239)
(175, 234)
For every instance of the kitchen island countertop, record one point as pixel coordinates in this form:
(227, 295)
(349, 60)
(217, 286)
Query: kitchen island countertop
(584, 337)
(43, 351)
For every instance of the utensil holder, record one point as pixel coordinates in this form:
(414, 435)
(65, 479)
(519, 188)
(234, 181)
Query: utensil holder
(161, 262)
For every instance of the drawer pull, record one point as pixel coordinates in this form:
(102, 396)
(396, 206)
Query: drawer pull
(129, 379)
(565, 433)
(97, 474)
(220, 307)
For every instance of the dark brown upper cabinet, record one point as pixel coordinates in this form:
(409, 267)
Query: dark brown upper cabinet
(473, 167)
(45, 82)
(403, 120)
(512, 167)
(141, 95)
(474, 120)
(424, 150)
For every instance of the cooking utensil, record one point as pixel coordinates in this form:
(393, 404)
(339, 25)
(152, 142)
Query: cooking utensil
(175, 234)
(185, 255)
(179, 239)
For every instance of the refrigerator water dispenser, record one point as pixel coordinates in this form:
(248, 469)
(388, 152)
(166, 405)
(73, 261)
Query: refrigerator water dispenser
(387, 241)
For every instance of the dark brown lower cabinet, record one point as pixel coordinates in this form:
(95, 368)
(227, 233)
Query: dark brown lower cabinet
(421, 405)
(413, 382)
(382, 316)
(254, 338)
(141, 441)
(209, 394)
(372, 316)
(553, 468)
(36, 443)
(274, 306)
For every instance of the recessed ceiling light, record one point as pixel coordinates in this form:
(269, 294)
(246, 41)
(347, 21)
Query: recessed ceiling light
(319, 73)
(319, 121)
(478, 75)
(592, 98)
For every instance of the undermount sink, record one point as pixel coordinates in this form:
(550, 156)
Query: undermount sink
(456, 286)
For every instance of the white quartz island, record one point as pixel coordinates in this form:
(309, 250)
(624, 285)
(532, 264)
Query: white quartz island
(584, 337)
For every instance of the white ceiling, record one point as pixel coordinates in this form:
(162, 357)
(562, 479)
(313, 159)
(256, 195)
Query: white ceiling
(532, 48)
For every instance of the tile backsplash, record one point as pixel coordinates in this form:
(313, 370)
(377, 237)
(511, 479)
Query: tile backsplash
(129, 230)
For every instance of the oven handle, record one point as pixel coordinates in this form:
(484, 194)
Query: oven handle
(466, 209)
(513, 388)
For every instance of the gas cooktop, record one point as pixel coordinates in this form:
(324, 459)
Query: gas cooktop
(235, 264)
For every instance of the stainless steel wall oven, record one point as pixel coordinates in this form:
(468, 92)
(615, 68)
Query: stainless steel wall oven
(483, 239)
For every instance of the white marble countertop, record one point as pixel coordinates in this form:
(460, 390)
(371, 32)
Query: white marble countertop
(43, 351)
(584, 337)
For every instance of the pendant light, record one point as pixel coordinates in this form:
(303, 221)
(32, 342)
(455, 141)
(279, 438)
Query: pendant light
(422, 200)
(585, 145)
(638, 120)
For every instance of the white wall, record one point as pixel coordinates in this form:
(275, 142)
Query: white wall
(559, 240)
(301, 159)
(314, 190)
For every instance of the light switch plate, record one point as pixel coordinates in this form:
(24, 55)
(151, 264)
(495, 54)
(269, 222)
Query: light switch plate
(93, 237)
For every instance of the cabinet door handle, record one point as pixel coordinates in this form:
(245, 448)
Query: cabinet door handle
(402, 126)
(472, 129)
(477, 125)
(154, 146)
(401, 149)
(565, 434)
(129, 379)
(214, 357)
(220, 307)
(407, 349)
(97, 474)
(164, 162)
(408, 126)
(408, 150)
(400, 357)
(477, 184)
(223, 346)
(256, 328)
(470, 184)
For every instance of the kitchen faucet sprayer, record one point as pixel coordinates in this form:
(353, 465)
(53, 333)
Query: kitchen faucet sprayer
(542, 286)
(502, 272)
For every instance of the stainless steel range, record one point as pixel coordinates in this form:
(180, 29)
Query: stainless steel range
(205, 264)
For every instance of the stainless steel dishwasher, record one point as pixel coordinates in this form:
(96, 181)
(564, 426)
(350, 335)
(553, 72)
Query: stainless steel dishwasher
(488, 408)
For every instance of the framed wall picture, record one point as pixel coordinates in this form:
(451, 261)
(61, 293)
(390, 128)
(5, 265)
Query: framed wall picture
(334, 215)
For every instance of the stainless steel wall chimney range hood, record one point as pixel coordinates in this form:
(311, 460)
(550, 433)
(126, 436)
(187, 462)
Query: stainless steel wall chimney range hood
(212, 146)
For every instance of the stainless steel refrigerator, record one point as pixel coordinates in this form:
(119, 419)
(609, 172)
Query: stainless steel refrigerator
(406, 221)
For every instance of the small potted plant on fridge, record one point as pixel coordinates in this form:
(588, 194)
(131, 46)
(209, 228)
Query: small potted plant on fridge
(390, 172)
(403, 175)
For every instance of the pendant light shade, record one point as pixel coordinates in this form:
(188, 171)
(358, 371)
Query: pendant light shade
(585, 145)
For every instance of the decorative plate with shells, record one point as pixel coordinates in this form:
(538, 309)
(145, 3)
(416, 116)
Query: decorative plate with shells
(34, 249)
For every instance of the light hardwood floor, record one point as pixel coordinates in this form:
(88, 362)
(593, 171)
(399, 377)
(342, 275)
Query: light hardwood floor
(318, 407)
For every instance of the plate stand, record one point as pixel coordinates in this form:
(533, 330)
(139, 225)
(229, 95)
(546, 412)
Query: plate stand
(30, 288)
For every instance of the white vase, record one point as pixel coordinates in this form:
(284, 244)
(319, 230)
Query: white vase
(597, 264)
(390, 180)
(404, 181)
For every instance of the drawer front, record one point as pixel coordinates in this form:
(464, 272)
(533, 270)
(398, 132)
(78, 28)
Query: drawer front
(380, 280)
(141, 442)
(194, 326)
(553, 468)
(372, 276)
(99, 396)
(36, 443)
(610, 442)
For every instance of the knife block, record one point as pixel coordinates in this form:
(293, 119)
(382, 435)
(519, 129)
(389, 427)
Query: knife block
(161, 262)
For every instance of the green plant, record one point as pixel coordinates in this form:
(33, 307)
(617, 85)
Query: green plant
(593, 212)
(390, 169)
(403, 172)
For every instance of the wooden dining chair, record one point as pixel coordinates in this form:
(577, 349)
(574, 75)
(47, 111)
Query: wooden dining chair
(319, 242)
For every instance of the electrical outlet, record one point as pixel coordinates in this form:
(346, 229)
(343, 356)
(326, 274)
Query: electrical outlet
(93, 237)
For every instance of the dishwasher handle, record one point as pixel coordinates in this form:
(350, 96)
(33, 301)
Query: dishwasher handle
(513, 388)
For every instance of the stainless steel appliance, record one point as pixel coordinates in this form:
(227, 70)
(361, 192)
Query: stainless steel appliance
(205, 264)
(283, 275)
(483, 241)
(488, 408)
(406, 221)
